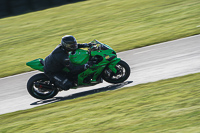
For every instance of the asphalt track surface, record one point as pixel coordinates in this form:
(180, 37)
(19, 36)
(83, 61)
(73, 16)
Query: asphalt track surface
(148, 64)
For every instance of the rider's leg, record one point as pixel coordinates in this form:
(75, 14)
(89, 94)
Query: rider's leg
(60, 80)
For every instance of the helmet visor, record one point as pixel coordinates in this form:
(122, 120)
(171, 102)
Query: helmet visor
(69, 45)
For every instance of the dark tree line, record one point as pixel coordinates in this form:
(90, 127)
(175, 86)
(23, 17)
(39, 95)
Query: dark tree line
(15, 7)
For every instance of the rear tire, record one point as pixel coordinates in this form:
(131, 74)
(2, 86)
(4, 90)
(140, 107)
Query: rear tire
(40, 93)
(123, 72)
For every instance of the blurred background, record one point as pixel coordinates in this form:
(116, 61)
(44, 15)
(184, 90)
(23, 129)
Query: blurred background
(30, 29)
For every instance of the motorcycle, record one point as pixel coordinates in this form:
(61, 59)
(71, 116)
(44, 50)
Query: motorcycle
(105, 66)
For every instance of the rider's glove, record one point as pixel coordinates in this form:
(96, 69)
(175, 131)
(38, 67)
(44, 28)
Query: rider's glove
(67, 62)
(84, 45)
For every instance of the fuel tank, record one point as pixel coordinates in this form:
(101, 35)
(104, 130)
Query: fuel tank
(79, 57)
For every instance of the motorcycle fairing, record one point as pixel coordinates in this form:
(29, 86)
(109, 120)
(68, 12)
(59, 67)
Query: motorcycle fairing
(95, 71)
(113, 64)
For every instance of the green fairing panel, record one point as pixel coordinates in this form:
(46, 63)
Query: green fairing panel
(94, 71)
(107, 54)
(113, 64)
(97, 70)
(35, 64)
(102, 52)
(80, 57)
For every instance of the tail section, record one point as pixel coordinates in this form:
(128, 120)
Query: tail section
(36, 64)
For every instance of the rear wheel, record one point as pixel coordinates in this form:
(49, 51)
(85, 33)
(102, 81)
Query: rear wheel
(40, 92)
(123, 72)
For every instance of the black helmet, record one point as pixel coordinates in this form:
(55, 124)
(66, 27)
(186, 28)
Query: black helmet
(69, 43)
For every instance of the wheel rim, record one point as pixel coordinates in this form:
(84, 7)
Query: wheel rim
(41, 91)
(120, 74)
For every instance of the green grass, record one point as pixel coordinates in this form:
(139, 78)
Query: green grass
(123, 25)
(167, 106)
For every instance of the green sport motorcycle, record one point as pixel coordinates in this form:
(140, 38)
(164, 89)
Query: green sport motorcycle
(106, 66)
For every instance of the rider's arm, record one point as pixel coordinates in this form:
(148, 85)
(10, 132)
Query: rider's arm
(74, 69)
(83, 45)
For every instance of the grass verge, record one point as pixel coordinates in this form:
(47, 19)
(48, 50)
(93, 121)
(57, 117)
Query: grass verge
(165, 106)
(121, 24)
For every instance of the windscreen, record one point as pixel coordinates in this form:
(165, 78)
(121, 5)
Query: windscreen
(101, 45)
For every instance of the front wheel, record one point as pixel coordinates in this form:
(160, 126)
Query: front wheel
(123, 72)
(40, 92)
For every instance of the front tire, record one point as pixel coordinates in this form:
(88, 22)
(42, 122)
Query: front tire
(123, 72)
(40, 93)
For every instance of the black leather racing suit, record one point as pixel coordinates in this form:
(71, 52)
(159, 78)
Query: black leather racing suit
(54, 64)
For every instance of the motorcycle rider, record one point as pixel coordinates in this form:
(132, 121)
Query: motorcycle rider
(59, 59)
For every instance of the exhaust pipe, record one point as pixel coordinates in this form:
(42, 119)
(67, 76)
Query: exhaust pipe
(43, 86)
